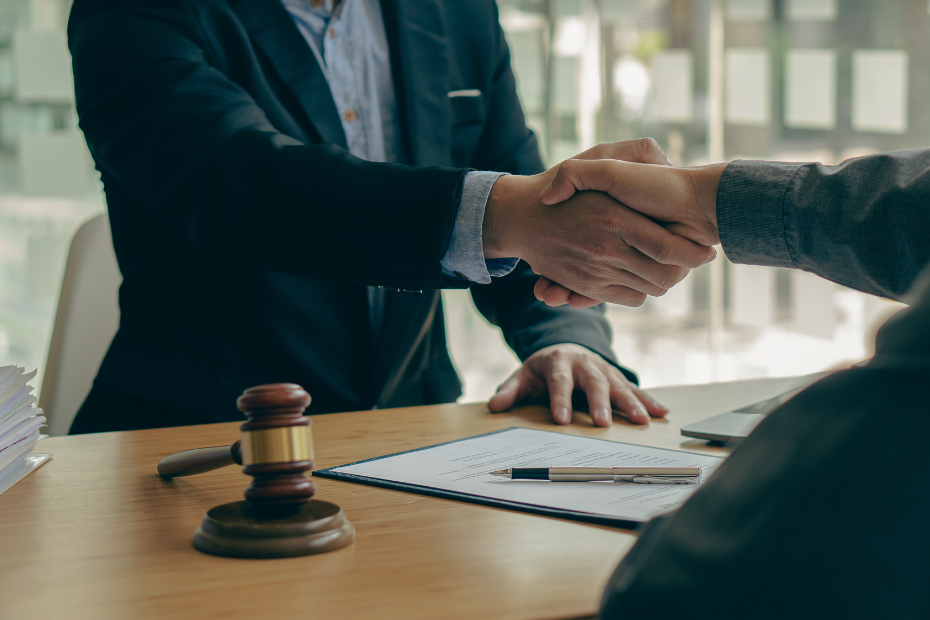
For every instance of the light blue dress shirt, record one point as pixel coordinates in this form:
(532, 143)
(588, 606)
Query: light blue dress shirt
(350, 45)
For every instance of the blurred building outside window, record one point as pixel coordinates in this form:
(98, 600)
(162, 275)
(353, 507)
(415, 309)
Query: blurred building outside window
(711, 80)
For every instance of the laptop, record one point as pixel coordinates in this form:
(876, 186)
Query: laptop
(736, 425)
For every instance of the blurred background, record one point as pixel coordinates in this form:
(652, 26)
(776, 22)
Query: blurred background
(711, 80)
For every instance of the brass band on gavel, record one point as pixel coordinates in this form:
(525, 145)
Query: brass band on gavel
(277, 445)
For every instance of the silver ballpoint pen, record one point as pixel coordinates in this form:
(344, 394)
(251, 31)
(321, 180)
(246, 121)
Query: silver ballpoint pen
(640, 475)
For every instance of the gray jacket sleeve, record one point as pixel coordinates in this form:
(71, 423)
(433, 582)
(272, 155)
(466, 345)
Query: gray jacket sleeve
(863, 224)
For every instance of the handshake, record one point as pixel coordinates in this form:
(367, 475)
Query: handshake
(613, 224)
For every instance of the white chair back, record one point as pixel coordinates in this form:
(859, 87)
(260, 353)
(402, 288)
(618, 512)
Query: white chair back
(87, 319)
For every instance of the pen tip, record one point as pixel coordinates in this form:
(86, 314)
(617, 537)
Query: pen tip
(501, 472)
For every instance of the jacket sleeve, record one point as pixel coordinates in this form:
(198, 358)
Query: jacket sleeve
(201, 156)
(863, 223)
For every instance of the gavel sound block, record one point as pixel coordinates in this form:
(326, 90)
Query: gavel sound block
(278, 518)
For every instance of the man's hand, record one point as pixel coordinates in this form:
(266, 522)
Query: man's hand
(591, 242)
(683, 199)
(558, 369)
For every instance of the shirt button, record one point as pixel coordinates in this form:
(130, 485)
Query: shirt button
(316, 3)
(332, 33)
(350, 115)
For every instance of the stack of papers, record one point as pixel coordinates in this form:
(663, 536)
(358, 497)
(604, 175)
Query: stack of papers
(20, 421)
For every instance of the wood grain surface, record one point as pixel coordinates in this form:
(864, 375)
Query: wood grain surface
(95, 533)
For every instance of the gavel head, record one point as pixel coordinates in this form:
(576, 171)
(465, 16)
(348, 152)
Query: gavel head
(276, 445)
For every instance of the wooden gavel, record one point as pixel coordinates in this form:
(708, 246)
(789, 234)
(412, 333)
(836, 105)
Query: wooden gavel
(278, 518)
(276, 447)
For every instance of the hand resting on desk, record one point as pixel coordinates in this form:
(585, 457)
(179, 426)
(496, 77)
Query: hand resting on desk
(556, 370)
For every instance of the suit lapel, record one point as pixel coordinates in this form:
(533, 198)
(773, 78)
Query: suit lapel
(275, 33)
(416, 31)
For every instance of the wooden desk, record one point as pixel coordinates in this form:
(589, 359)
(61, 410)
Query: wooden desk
(95, 533)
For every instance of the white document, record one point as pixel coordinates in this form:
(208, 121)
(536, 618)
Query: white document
(462, 469)
(13, 382)
(12, 452)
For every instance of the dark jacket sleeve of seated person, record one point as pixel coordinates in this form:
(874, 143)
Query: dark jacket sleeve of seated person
(245, 231)
(821, 512)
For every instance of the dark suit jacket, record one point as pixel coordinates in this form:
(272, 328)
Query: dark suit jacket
(823, 512)
(245, 231)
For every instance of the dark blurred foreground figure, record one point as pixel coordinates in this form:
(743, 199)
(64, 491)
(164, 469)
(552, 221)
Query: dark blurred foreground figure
(824, 511)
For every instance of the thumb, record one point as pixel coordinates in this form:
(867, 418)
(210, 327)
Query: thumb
(580, 174)
(506, 395)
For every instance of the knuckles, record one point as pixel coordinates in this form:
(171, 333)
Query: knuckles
(662, 251)
(669, 276)
(647, 147)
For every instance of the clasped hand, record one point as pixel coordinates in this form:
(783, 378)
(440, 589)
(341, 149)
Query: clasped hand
(681, 200)
(592, 242)
(614, 224)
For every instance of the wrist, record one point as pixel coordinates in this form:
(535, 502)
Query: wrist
(500, 227)
(705, 181)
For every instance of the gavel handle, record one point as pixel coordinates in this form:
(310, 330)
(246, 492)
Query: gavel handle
(198, 461)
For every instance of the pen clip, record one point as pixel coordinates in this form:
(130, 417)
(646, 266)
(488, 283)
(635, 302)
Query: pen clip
(657, 479)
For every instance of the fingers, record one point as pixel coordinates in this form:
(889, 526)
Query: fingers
(654, 241)
(655, 409)
(642, 150)
(666, 248)
(582, 175)
(506, 395)
(597, 388)
(560, 383)
(627, 402)
(602, 176)
(580, 302)
(556, 295)
(553, 294)
(543, 284)
(631, 402)
(622, 296)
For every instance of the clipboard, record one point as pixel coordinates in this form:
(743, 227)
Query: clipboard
(403, 472)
